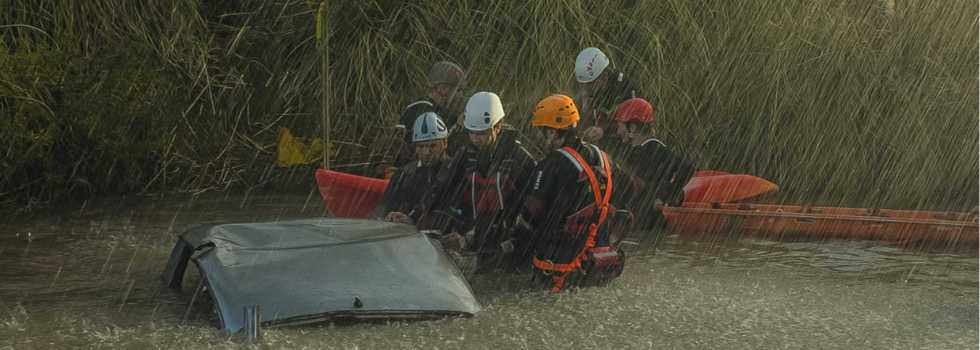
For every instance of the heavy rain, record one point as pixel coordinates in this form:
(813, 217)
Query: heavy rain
(817, 171)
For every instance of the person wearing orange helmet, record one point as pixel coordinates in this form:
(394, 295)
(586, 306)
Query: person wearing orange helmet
(568, 204)
(602, 91)
(658, 175)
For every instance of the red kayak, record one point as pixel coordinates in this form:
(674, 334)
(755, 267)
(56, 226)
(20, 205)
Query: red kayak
(352, 196)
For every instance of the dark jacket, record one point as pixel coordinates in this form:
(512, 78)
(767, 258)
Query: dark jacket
(619, 89)
(657, 173)
(477, 183)
(560, 190)
(408, 190)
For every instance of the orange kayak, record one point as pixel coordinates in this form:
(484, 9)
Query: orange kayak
(721, 187)
(898, 226)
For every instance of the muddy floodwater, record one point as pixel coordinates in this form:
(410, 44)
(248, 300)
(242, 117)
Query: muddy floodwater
(87, 277)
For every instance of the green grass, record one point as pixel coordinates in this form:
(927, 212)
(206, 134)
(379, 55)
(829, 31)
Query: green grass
(836, 101)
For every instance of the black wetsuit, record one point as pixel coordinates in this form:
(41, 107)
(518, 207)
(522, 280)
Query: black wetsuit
(656, 173)
(559, 190)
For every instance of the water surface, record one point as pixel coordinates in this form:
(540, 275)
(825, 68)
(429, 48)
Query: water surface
(87, 276)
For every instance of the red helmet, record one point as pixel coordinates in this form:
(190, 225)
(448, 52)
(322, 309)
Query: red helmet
(634, 109)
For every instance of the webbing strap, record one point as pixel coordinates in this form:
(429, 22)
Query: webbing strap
(604, 200)
(562, 270)
(602, 160)
(418, 103)
(652, 140)
(571, 158)
(473, 192)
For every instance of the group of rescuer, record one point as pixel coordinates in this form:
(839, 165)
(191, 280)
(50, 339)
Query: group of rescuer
(555, 215)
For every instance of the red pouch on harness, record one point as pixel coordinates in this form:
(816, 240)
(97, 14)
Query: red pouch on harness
(604, 264)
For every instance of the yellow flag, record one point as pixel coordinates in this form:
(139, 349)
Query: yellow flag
(294, 152)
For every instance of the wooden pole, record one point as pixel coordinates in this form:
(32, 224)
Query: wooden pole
(323, 32)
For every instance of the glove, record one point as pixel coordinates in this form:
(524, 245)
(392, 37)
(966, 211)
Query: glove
(453, 241)
(592, 134)
(399, 218)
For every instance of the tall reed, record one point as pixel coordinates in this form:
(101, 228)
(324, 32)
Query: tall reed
(841, 102)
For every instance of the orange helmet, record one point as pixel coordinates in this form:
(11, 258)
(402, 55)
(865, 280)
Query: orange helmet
(555, 111)
(634, 109)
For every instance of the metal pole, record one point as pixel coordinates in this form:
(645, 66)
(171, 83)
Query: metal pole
(323, 32)
(253, 324)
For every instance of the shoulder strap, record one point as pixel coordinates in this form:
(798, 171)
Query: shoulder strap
(571, 158)
(582, 166)
(652, 140)
(602, 156)
(418, 103)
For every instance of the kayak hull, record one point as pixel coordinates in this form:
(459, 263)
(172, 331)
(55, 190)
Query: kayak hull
(707, 210)
(350, 196)
(898, 226)
(721, 187)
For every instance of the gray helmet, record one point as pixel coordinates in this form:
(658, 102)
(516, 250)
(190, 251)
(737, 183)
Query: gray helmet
(445, 72)
(589, 64)
(428, 126)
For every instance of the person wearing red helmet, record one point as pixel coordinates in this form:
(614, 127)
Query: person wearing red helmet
(658, 174)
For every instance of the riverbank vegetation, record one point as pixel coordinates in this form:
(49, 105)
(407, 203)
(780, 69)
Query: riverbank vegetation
(840, 102)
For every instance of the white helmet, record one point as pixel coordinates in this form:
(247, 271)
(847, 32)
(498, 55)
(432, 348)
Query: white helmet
(428, 126)
(483, 111)
(589, 64)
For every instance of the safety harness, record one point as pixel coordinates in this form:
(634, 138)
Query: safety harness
(560, 271)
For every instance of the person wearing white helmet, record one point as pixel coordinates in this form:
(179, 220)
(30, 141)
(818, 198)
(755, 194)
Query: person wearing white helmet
(602, 91)
(488, 179)
(446, 88)
(404, 198)
(482, 119)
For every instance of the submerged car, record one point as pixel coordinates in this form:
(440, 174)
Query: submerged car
(314, 270)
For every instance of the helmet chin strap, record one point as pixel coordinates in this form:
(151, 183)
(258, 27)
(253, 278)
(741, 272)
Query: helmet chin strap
(493, 136)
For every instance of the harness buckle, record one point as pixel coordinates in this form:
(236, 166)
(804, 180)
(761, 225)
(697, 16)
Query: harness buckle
(549, 272)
